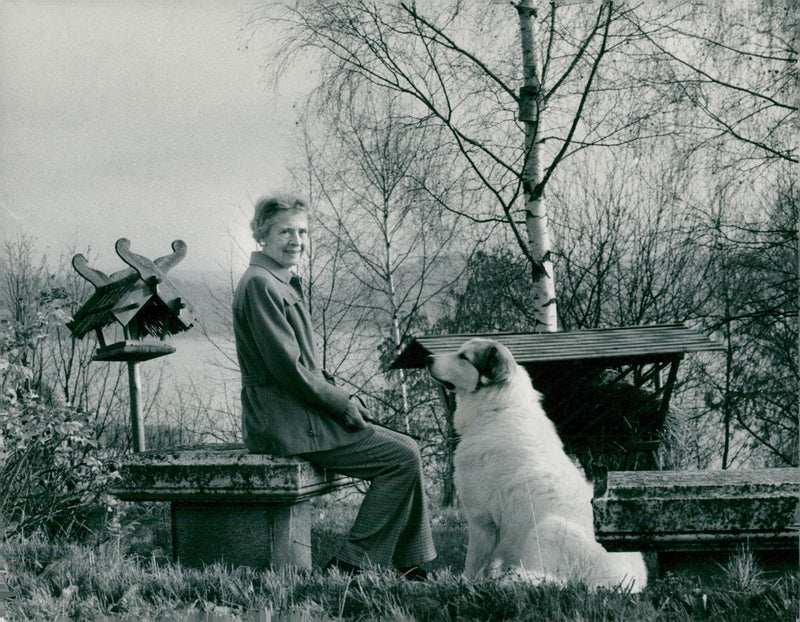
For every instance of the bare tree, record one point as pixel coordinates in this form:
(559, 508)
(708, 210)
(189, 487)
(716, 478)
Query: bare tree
(626, 256)
(384, 248)
(753, 306)
(598, 76)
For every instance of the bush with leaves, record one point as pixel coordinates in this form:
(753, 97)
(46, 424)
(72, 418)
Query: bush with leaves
(52, 477)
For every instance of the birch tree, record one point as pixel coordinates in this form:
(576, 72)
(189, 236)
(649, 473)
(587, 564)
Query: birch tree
(599, 76)
(544, 293)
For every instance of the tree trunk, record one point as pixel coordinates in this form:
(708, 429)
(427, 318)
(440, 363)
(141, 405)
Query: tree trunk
(535, 210)
(448, 486)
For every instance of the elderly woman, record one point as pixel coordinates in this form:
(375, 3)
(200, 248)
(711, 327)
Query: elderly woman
(290, 409)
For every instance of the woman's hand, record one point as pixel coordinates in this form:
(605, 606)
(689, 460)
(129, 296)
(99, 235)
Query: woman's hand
(355, 415)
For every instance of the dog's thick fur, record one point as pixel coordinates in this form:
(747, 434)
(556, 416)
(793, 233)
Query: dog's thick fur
(528, 507)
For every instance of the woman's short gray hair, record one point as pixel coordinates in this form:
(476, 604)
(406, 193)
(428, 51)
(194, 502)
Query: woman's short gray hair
(268, 207)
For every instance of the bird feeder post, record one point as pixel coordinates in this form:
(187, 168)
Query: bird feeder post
(137, 422)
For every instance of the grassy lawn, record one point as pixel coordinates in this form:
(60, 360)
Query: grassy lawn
(131, 577)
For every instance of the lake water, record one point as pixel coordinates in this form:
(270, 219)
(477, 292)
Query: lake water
(199, 387)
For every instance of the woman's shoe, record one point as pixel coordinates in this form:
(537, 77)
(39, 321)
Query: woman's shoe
(413, 573)
(343, 566)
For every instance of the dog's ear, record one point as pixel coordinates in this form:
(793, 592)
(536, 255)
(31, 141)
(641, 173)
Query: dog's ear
(494, 367)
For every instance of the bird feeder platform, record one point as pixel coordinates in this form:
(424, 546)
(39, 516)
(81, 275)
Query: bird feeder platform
(125, 351)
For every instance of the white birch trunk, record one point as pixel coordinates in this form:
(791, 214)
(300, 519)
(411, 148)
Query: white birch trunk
(544, 294)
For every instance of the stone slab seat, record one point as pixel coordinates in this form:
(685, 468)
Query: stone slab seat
(229, 505)
(695, 519)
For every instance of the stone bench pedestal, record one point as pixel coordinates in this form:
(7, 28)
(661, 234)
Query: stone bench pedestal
(694, 520)
(229, 505)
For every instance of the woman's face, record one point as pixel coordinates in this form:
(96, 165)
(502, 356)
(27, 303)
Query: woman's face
(287, 238)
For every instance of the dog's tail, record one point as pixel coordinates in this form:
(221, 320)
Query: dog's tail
(629, 570)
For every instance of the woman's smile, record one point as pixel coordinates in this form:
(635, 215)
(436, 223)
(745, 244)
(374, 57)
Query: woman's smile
(287, 238)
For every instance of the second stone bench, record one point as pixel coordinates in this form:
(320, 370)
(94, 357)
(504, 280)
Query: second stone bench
(694, 520)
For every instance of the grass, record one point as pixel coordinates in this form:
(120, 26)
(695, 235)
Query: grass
(129, 577)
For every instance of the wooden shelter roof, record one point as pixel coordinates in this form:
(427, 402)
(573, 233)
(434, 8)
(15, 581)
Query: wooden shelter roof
(635, 344)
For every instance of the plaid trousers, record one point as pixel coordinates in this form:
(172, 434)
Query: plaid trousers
(393, 524)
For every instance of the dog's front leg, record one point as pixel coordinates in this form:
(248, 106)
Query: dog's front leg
(481, 542)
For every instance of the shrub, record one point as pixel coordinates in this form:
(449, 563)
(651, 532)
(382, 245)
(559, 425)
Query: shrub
(51, 473)
(52, 476)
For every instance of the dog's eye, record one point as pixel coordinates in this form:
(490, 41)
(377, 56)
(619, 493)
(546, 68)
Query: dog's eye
(461, 355)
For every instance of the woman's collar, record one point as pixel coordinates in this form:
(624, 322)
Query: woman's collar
(258, 258)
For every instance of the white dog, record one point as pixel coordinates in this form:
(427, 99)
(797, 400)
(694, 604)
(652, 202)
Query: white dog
(528, 507)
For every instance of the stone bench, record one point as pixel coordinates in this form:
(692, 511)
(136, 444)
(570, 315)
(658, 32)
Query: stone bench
(696, 519)
(228, 505)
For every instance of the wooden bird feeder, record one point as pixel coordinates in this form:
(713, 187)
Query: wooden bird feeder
(143, 301)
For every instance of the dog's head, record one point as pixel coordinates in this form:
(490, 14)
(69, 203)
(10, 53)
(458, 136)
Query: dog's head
(477, 364)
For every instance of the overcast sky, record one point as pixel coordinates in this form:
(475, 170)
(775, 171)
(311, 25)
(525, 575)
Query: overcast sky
(150, 120)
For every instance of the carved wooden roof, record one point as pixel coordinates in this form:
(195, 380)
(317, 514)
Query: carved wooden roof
(141, 298)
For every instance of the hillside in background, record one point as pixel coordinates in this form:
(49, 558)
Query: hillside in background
(209, 292)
